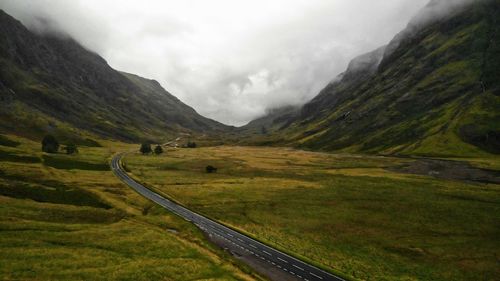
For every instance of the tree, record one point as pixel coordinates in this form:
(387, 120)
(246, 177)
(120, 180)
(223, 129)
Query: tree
(191, 144)
(263, 130)
(71, 149)
(158, 150)
(145, 148)
(50, 144)
(211, 169)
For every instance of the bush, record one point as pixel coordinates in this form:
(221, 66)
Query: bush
(50, 144)
(191, 144)
(145, 148)
(158, 150)
(211, 169)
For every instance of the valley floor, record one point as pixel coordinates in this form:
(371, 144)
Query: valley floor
(68, 217)
(358, 214)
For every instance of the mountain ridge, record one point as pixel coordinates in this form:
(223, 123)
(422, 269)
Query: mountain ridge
(60, 84)
(435, 92)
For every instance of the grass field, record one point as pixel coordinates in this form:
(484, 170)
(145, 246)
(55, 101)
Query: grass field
(346, 212)
(68, 217)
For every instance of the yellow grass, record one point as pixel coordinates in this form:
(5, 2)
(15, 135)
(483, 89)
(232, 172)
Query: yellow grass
(343, 211)
(73, 224)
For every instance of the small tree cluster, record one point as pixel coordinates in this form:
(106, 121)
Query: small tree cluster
(158, 150)
(191, 144)
(50, 144)
(145, 148)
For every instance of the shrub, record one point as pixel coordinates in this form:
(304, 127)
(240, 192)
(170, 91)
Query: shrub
(158, 150)
(145, 148)
(191, 144)
(211, 169)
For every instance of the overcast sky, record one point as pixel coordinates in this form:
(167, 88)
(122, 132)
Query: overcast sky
(230, 60)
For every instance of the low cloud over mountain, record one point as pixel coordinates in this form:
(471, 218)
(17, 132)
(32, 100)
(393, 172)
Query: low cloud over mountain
(229, 60)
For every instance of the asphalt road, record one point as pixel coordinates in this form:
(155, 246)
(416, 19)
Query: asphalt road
(288, 264)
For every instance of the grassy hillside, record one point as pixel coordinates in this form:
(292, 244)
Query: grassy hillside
(352, 213)
(67, 217)
(49, 83)
(434, 91)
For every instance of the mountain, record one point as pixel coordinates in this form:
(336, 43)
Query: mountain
(49, 83)
(433, 90)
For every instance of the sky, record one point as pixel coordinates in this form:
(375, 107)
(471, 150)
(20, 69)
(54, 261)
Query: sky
(231, 60)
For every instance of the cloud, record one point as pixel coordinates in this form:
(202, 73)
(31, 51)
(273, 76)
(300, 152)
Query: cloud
(230, 60)
(435, 10)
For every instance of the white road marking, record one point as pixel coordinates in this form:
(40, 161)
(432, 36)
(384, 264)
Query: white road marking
(316, 275)
(252, 246)
(266, 252)
(282, 260)
(298, 267)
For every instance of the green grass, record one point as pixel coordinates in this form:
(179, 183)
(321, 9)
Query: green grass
(66, 163)
(49, 191)
(6, 156)
(343, 211)
(68, 218)
(5, 141)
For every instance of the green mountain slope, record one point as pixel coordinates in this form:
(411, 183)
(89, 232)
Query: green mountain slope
(434, 90)
(49, 83)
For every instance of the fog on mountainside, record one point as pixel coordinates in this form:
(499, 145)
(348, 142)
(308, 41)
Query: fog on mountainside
(431, 91)
(230, 60)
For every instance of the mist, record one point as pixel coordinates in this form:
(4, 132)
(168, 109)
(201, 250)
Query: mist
(230, 60)
(437, 9)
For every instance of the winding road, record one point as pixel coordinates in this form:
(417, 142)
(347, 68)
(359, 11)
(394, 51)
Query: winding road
(280, 260)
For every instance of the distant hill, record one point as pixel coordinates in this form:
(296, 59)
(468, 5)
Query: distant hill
(433, 90)
(51, 84)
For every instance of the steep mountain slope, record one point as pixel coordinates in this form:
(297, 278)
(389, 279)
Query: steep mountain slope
(434, 90)
(49, 83)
